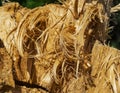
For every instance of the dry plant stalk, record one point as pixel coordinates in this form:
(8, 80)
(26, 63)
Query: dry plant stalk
(51, 45)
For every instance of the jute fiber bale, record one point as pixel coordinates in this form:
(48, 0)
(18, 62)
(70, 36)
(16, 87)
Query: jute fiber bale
(105, 69)
(6, 75)
(7, 78)
(51, 46)
(104, 74)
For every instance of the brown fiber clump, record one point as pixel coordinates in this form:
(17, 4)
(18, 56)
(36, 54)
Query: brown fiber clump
(55, 48)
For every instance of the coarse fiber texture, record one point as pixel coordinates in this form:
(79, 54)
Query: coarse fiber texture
(51, 46)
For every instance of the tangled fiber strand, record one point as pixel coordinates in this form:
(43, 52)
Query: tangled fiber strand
(115, 8)
(105, 69)
(60, 39)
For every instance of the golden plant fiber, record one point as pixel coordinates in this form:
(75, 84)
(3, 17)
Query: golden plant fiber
(105, 62)
(54, 46)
